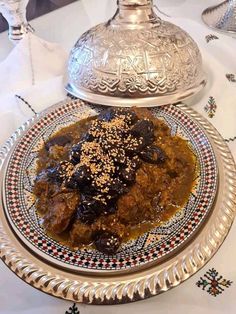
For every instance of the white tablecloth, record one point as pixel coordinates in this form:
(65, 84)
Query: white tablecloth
(216, 103)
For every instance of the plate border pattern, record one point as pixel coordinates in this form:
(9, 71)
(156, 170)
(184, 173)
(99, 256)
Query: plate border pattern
(33, 235)
(147, 283)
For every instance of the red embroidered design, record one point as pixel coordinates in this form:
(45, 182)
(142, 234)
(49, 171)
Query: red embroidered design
(212, 283)
(211, 107)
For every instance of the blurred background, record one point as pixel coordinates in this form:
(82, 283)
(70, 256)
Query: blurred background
(37, 8)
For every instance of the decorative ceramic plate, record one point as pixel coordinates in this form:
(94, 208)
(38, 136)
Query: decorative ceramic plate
(161, 258)
(19, 200)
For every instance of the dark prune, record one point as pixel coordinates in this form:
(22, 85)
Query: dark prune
(101, 203)
(88, 188)
(116, 187)
(111, 141)
(70, 183)
(95, 201)
(118, 155)
(153, 155)
(134, 145)
(145, 129)
(59, 140)
(128, 175)
(52, 174)
(61, 172)
(129, 116)
(107, 115)
(87, 137)
(135, 162)
(81, 175)
(75, 153)
(111, 209)
(90, 208)
(95, 129)
(86, 214)
(107, 242)
(132, 118)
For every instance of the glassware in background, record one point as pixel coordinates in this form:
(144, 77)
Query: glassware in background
(221, 17)
(14, 12)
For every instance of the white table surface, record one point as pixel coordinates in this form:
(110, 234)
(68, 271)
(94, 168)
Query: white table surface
(64, 26)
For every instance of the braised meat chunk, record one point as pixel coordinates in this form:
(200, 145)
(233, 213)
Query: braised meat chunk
(61, 211)
(80, 233)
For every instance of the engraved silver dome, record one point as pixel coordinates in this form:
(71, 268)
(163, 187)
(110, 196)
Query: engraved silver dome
(135, 59)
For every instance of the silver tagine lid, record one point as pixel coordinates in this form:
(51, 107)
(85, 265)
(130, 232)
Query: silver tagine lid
(221, 17)
(135, 59)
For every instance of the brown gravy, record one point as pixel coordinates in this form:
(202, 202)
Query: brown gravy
(159, 191)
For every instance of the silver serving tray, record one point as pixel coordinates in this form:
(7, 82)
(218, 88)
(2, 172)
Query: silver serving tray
(128, 286)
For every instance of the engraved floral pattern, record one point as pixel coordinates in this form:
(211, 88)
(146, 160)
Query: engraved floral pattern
(111, 62)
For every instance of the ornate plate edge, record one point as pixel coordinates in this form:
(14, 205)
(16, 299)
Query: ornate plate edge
(146, 283)
(42, 255)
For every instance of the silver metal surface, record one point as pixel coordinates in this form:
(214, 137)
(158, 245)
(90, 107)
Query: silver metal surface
(135, 59)
(14, 12)
(126, 287)
(221, 17)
